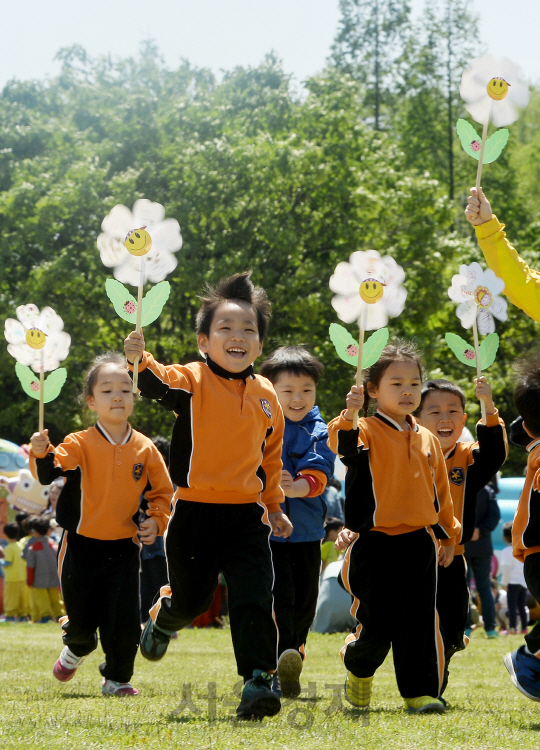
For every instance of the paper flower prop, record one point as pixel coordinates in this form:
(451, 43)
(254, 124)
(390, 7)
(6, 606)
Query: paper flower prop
(165, 235)
(494, 90)
(139, 246)
(347, 346)
(368, 288)
(472, 142)
(38, 339)
(477, 292)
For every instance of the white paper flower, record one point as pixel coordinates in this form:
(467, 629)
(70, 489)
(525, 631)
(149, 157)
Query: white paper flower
(382, 277)
(477, 292)
(32, 326)
(166, 240)
(494, 90)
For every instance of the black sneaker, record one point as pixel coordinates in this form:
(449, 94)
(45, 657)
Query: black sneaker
(154, 642)
(258, 700)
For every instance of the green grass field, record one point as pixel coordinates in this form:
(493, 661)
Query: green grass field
(36, 710)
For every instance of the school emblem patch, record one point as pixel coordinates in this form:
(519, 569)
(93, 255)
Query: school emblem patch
(457, 476)
(137, 471)
(266, 408)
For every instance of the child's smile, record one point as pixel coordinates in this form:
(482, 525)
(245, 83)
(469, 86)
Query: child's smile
(233, 342)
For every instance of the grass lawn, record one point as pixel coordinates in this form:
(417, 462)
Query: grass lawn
(36, 710)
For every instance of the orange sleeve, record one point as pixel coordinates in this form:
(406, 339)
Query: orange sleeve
(447, 520)
(273, 495)
(160, 496)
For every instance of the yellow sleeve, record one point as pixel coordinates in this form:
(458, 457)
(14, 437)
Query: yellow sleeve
(522, 284)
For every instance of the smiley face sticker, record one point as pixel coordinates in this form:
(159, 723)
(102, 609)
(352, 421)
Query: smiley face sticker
(371, 291)
(497, 89)
(138, 241)
(35, 338)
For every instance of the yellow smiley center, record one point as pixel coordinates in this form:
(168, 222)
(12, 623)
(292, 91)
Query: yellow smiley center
(497, 88)
(35, 338)
(371, 291)
(483, 297)
(138, 242)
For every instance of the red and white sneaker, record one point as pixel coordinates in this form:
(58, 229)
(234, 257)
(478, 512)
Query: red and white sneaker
(120, 689)
(66, 665)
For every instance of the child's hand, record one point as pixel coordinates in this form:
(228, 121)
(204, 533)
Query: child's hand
(148, 530)
(40, 441)
(478, 209)
(355, 401)
(344, 538)
(134, 346)
(281, 526)
(483, 393)
(287, 483)
(446, 555)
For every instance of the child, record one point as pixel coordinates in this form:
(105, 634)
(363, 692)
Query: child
(308, 464)
(225, 459)
(523, 664)
(15, 590)
(107, 468)
(470, 466)
(41, 572)
(329, 553)
(397, 505)
(513, 581)
(521, 283)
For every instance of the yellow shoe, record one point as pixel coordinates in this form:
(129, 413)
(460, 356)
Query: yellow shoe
(358, 690)
(424, 704)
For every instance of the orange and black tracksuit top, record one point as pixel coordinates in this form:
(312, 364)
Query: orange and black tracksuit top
(526, 528)
(396, 479)
(105, 481)
(227, 439)
(470, 467)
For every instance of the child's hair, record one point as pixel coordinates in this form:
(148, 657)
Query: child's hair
(294, 360)
(21, 519)
(527, 393)
(164, 446)
(41, 524)
(397, 351)
(237, 288)
(108, 358)
(11, 530)
(333, 524)
(446, 386)
(507, 530)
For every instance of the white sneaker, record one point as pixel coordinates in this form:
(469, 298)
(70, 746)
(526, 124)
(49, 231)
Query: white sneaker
(66, 665)
(120, 689)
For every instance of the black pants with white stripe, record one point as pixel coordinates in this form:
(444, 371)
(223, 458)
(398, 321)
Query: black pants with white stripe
(100, 585)
(393, 580)
(203, 539)
(297, 566)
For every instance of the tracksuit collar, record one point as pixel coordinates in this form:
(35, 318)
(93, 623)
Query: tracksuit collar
(107, 437)
(222, 373)
(395, 425)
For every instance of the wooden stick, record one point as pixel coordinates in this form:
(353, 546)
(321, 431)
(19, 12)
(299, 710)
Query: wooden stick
(481, 159)
(362, 326)
(41, 405)
(138, 324)
(478, 368)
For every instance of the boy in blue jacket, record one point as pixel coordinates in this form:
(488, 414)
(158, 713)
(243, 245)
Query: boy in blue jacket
(308, 463)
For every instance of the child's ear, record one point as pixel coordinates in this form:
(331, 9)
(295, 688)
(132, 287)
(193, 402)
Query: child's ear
(527, 430)
(91, 403)
(202, 343)
(464, 419)
(371, 389)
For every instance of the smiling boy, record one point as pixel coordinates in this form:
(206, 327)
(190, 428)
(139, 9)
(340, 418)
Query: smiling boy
(225, 458)
(470, 467)
(308, 463)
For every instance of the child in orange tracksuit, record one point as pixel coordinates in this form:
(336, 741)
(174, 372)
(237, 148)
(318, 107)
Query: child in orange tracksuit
(107, 469)
(470, 467)
(397, 508)
(225, 458)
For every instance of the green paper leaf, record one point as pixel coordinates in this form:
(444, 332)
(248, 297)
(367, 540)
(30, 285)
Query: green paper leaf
(495, 145)
(488, 350)
(27, 379)
(53, 384)
(461, 349)
(374, 346)
(120, 297)
(467, 136)
(346, 346)
(154, 302)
